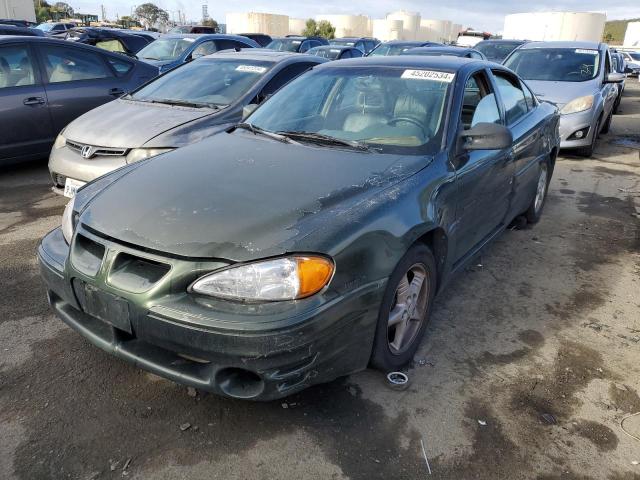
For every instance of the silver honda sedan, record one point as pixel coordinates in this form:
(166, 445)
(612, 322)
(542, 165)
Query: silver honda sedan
(578, 77)
(183, 106)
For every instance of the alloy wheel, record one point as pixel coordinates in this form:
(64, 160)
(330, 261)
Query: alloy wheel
(409, 308)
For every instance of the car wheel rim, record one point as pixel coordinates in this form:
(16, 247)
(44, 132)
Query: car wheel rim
(409, 308)
(542, 188)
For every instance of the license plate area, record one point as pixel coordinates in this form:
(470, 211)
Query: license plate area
(71, 186)
(103, 305)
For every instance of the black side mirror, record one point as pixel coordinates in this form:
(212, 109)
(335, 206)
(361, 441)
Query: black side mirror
(487, 136)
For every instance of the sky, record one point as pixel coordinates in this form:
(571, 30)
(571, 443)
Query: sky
(485, 15)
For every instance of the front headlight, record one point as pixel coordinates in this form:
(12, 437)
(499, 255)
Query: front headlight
(138, 154)
(579, 104)
(68, 223)
(60, 141)
(286, 278)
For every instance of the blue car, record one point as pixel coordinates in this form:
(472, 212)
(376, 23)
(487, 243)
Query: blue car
(169, 51)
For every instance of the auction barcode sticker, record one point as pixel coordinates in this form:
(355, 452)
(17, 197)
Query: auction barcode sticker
(590, 52)
(251, 68)
(429, 75)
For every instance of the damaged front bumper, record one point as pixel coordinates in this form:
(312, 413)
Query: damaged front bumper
(126, 302)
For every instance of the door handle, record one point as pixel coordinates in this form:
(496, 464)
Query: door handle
(34, 101)
(116, 92)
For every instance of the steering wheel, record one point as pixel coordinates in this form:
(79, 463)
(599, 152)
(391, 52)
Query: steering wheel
(413, 121)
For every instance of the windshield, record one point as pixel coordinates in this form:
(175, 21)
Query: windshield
(555, 64)
(324, 52)
(386, 49)
(635, 55)
(45, 27)
(165, 48)
(496, 51)
(392, 110)
(206, 82)
(284, 45)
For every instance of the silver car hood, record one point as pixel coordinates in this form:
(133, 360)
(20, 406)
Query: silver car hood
(129, 124)
(561, 93)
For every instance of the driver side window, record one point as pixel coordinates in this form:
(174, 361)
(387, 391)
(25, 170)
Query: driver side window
(479, 103)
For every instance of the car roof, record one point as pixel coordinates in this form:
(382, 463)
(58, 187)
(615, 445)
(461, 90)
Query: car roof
(418, 43)
(261, 54)
(220, 36)
(562, 44)
(55, 41)
(333, 47)
(502, 40)
(447, 63)
(446, 49)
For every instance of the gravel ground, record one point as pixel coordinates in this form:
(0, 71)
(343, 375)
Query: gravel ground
(531, 361)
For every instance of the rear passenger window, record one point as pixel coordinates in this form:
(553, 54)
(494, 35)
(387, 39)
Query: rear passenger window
(479, 104)
(112, 45)
(64, 64)
(512, 95)
(230, 44)
(205, 48)
(16, 67)
(122, 67)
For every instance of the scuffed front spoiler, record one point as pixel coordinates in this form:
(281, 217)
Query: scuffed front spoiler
(332, 340)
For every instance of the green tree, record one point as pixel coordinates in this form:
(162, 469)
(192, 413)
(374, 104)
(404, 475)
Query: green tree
(63, 7)
(151, 15)
(323, 28)
(210, 22)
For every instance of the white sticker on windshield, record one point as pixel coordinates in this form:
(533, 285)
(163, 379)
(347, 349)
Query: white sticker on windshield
(251, 69)
(429, 75)
(589, 52)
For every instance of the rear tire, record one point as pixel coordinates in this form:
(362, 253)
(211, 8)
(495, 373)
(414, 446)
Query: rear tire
(534, 212)
(405, 309)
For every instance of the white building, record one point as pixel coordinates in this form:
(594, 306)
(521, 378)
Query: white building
(256, 22)
(18, 10)
(632, 35)
(550, 26)
(400, 25)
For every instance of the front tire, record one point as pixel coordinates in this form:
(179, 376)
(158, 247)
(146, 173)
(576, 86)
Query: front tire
(405, 309)
(534, 212)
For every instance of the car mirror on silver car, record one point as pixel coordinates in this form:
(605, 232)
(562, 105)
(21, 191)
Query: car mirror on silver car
(487, 136)
(614, 77)
(248, 110)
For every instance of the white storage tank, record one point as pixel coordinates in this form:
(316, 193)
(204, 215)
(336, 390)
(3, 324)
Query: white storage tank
(17, 10)
(632, 35)
(256, 22)
(296, 26)
(437, 28)
(428, 32)
(410, 23)
(456, 28)
(552, 26)
(348, 25)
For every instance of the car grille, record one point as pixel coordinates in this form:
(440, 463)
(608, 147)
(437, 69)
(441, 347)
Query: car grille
(95, 150)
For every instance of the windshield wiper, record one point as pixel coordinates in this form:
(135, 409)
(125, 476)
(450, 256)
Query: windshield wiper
(327, 140)
(257, 130)
(184, 103)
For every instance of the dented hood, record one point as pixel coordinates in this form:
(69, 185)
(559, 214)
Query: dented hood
(130, 124)
(239, 196)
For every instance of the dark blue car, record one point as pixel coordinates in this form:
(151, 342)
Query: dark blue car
(45, 83)
(335, 52)
(169, 51)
